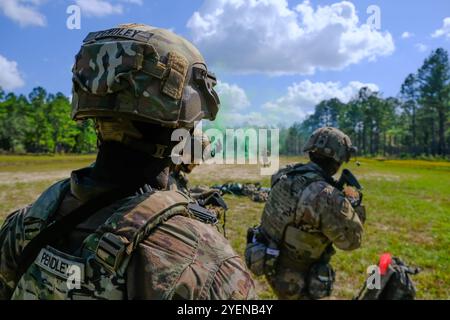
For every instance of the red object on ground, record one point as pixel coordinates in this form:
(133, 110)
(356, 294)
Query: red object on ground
(385, 261)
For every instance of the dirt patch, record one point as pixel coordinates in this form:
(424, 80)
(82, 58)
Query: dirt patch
(15, 177)
(381, 177)
(216, 172)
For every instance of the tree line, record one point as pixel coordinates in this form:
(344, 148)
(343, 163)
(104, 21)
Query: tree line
(414, 123)
(41, 123)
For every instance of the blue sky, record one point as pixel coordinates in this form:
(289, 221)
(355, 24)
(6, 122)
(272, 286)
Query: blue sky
(275, 59)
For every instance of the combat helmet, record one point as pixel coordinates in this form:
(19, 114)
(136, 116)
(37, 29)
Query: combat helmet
(138, 72)
(332, 143)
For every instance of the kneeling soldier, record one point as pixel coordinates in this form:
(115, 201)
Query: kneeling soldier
(305, 215)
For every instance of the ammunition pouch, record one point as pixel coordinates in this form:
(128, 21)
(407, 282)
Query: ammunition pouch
(261, 254)
(320, 279)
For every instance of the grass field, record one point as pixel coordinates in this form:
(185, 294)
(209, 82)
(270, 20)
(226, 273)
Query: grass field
(408, 206)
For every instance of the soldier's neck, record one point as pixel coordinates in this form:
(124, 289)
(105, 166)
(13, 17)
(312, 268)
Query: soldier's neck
(326, 168)
(119, 164)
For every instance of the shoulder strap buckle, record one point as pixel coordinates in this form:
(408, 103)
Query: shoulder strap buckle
(111, 251)
(202, 214)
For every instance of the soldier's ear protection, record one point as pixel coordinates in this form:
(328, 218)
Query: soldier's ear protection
(351, 152)
(206, 81)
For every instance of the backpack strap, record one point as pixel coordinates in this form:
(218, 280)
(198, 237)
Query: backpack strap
(51, 231)
(283, 172)
(41, 211)
(115, 240)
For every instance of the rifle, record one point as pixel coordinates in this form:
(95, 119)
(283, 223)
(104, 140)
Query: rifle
(211, 198)
(349, 179)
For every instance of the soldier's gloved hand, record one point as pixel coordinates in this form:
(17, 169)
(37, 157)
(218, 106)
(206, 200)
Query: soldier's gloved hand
(353, 196)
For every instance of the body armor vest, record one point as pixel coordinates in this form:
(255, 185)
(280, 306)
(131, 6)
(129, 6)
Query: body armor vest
(300, 244)
(98, 269)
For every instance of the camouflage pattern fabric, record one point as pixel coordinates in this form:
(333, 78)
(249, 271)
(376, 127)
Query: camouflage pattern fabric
(332, 143)
(162, 252)
(142, 73)
(305, 215)
(254, 192)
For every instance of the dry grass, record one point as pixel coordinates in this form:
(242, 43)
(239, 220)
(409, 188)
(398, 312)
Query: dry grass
(408, 206)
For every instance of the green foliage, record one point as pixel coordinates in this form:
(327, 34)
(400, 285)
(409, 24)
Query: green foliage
(41, 123)
(415, 123)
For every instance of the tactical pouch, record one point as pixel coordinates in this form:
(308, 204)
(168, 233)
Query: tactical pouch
(304, 246)
(260, 254)
(320, 280)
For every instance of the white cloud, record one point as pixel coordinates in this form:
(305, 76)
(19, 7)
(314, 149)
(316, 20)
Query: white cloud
(302, 97)
(235, 119)
(268, 36)
(232, 97)
(10, 77)
(101, 8)
(98, 8)
(24, 12)
(444, 30)
(421, 47)
(407, 35)
(138, 2)
(295, 105)
(233, 105)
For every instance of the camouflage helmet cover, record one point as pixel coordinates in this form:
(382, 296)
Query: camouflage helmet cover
(142, 73)
(332, 143)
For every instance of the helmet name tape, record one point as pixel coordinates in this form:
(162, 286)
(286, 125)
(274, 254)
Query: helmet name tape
(126, 33)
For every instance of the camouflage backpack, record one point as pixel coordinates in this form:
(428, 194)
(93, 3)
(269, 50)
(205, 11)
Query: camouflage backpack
(98, 269)
(395, 281)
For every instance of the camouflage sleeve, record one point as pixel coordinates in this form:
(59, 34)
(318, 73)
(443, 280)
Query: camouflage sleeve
(188, 260)
(11, 244)
(334, 215)
(232, 281)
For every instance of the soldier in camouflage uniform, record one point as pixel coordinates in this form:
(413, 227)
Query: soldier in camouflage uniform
(138, 83)
(255, 192)
(304, 217)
